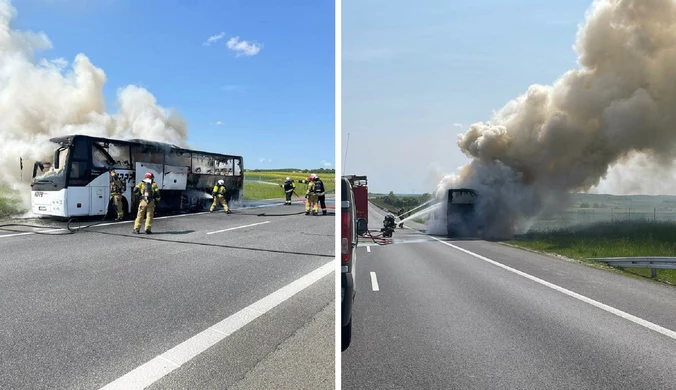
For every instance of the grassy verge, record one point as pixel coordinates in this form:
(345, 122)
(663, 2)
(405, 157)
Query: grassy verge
(10, 202)
(608, 239)
(259, 185)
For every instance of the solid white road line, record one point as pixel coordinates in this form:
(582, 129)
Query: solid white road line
(374, 282)
(609, 309)
(152, 371)
(368, 249)
(238, 227)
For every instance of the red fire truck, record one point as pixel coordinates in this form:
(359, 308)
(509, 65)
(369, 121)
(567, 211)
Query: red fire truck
(360, 189)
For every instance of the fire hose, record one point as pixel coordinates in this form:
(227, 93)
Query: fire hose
(377, 238)
(69, 229)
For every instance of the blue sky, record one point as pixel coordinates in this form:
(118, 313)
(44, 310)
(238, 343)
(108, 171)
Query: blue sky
(416, 76)
(272, 101)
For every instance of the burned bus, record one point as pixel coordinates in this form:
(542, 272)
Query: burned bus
(461, 218)
(77, 182)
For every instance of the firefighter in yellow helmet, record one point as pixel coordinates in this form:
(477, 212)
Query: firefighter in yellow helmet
(219, 197)
(149, 193)
(116, 189)
(311, 196)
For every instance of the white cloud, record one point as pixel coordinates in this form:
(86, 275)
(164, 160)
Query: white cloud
(213, 39)
(457, 124)
(218, 123)
(243, 48)
(326, 164)
(232, 87)
(60, 62)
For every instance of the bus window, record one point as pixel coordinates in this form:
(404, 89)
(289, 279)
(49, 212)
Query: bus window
(76, 169)
(80, 170)
(179, 159)
(202, 164)
(238, 167)
(98, 158)
(147, 154)
(224, 167)
(80, 150)
(120, 153)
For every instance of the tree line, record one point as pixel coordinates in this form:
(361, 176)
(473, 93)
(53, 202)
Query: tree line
(405, 202)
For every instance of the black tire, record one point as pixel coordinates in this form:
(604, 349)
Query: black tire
(346, 335)
(125, 206)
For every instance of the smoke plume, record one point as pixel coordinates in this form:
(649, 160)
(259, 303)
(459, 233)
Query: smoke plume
(558, 139)
(41, 99)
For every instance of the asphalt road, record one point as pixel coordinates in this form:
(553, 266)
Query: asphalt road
(207, 301)
(482, 315)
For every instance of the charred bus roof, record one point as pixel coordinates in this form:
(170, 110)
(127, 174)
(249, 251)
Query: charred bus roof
(70, 139)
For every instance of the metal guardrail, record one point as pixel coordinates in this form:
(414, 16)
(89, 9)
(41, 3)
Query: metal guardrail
(653, 263)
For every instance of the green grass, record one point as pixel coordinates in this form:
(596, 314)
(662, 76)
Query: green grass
(608, 239)
(10, 203)
(254, 190)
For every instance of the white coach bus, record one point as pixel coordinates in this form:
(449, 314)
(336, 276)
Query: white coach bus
(77, 182)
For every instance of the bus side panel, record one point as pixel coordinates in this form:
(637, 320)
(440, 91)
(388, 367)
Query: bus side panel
(78, 200)
(143, 167)
(99, 195)
(174, 178)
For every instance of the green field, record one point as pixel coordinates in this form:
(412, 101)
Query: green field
(609, 226)
(608, 239)
(586, 209)
(266, 185)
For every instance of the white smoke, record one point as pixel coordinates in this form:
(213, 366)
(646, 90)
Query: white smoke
(558, 139)
(41, 99)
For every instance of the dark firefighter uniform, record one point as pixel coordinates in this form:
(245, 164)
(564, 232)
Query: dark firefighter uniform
(149, 193)
(219, 197)
(321, 193)
(389, 223)
(289, 187)
(116, 189)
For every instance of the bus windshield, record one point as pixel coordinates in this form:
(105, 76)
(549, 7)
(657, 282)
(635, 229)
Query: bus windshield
(54, 173)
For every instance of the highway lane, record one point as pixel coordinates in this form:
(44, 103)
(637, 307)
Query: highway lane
(83, 310)
(444, 318)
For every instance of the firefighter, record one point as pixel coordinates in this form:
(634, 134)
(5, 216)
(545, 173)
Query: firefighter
(311, 197)
(149, 193)
(219, 197)
(289, 188)
(117, 187)
(388, 225)
(321, 193)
